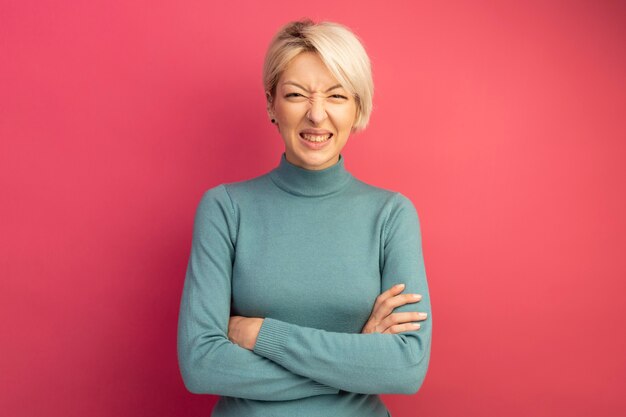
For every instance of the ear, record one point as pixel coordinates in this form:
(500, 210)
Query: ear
(270, 104)
(270, 108)
(269, 99)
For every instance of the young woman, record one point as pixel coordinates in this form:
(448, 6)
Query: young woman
(289, 306)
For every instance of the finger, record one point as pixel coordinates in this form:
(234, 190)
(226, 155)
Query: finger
(390, 293)
(402, 299)
(387, 306)
(406, 327)
(404, 317)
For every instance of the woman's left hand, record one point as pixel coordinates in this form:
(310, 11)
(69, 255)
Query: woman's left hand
(243, 331)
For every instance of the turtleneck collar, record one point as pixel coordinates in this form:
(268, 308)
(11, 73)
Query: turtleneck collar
(310, 183)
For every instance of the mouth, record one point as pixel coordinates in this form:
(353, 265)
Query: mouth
(315, 138)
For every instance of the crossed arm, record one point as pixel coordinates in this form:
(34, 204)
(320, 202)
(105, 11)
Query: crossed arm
(288, 361)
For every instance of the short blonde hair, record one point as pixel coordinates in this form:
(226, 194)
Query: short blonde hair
(338, 47)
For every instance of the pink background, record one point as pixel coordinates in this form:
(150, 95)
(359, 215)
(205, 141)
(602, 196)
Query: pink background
(502, 121)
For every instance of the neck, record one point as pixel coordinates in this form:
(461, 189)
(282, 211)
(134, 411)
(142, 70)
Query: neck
(310, 183)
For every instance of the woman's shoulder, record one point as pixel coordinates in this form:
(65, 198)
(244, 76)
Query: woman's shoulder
(377, 192)
(234, 190)
(390, 201)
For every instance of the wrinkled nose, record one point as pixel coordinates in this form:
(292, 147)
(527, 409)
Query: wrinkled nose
(317, 112)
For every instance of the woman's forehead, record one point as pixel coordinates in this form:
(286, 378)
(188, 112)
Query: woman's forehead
(308, 71)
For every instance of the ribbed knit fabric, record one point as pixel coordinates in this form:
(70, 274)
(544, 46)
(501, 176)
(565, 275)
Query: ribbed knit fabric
(308, 251)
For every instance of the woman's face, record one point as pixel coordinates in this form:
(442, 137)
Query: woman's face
(309, 105)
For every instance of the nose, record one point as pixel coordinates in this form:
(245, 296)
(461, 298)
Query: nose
(317, 112)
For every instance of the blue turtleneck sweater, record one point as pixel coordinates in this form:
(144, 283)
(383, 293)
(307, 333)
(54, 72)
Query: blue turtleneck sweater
(308, 251)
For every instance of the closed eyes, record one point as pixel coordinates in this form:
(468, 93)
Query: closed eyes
(298, 94)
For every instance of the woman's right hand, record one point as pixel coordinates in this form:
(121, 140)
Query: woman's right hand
(382, 320)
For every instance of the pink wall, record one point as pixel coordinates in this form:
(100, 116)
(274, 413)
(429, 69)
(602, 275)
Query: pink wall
(502, 121)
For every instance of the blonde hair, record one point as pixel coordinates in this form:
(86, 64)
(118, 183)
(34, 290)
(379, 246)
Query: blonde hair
(338, 47)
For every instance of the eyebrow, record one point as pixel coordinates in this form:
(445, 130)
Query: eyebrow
(299, 86)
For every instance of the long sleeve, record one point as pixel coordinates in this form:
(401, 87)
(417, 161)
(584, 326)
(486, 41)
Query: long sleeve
(365, 363)
(209, 362)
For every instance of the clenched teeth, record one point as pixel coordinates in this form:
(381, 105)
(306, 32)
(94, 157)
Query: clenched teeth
(316, 138)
